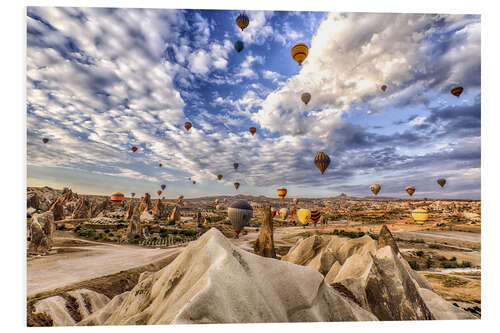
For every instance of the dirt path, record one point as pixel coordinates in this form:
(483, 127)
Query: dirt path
(90, 261)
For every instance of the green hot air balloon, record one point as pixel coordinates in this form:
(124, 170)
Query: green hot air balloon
(239, 213)
(239, 46)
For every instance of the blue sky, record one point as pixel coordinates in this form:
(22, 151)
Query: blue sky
(102, 80)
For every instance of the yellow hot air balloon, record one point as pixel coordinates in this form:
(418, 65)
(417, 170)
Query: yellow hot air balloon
(299, 52)
(420, 215)
(304, 216)
(322, 161)
(375, 188)
(282, 192)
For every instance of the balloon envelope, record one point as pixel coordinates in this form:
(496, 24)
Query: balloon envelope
(163, 186)
(132, 194)
(236, 165)
(410, 190)
(420, 215)
(304, 215)
(188, 125)
(315, 215)
(219, 176)
(375, 188)
(282, 192)
(306, 97)
(299, 52)
(252, 130)
(117, 198)
(45, 140)
(134, 149)
(236, 185)
(239, 213)
(457, 90)
(441, 181)
(159, 192)
(322, 161)
(239, 46)
(384, 87)
(242, 21)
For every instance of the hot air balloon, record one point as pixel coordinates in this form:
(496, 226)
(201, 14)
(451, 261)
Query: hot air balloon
(282, 192)
(375, 188)
(216, 201)
(242, 21)
(295, 200)
(134, 149)
(219, 176)
(236, 165)
(45, 140)
(160, 165)
(194, 181)
(410, 190)
(457, 90)
(322, 161)
(306, 97)
(284, 213)
(117, 198)
(252, 130)
(304, 215)
(315, 215)
(189, 178)
(299, 52)
(273, 212)
(236, 185)
(218, 207)
(180, 197)
(292, 211)
(132, 194)
(239, 213)
(159, 192)
(420, 215)
(441, 181)
(239, 46)
(383, 88)
(188, 125)
(163, 186)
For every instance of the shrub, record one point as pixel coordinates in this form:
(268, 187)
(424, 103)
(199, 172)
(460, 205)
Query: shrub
(449, 265)
(106, 231)
(466, 264)
(420, 241)
(420, 253)
(163, 234)
(453, 259)
(413, 264)
(434, 246)
(429, 263)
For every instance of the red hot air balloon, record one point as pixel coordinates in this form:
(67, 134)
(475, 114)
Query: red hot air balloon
(134, 149)
(188, 125)
(242, 21)
(236, 185)
(194, 181)
(410, 190)
(457, 91)
(252, 130)
(117, 198)
(159, 192)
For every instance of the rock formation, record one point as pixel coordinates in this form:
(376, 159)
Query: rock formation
(35, 199)
(160, 210)
(134, 226)
(41, 232)
(100, 316)
(264, 245)
(378, 278)
(385, 238)
(57, 210)
(213, 281)
(145, 203)
(176, 214)
(130, 210)
(82, 209)
(68, 308)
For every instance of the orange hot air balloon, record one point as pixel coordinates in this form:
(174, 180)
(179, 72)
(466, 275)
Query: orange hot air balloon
(117, 198)
(282, 192)
(322, 161)
(236, 185)
(219, 176)
(456, 91)
(410, 190)
(441, 181)
(299, 52)
(242, 21)
(188, 125)
(134, 149)
(252, 130)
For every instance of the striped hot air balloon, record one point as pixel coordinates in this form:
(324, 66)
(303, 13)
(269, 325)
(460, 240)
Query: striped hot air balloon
(117, 198)
(420, 215)
(457, 90)
(322, 161)
(242, 21)
(239, 213)
(252, 130)
(299, 52)
(306, 97)
(282, 192)
(315, 215)
(410, 190)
